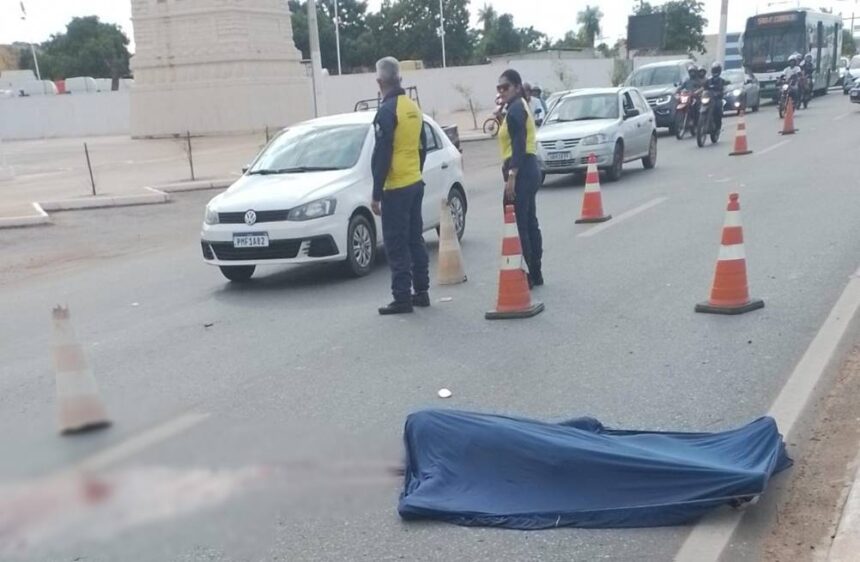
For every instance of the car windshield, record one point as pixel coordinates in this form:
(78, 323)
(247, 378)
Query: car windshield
(855, 63)
(734, 76)
(585, 108)
(312, 148)
(655, 76)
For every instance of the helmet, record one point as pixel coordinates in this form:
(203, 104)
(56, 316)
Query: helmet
(792, 60)
(716, 69)
(693, 71)
(808, 57)
(702, 72)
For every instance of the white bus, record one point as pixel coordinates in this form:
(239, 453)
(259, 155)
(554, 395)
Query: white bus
(770, 39)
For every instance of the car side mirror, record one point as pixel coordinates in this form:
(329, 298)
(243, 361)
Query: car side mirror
(628, 113)
(538, 122)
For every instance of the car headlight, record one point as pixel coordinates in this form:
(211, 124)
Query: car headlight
(785, 86)
(591, 140)
(313, 210)
(736, 92)
(662, 100)
(210, 216)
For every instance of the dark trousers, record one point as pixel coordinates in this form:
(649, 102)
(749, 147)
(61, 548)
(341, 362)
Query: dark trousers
(525, 191)
(403, 235)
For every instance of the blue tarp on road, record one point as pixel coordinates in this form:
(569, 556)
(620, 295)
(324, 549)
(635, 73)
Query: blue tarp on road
(481, 469)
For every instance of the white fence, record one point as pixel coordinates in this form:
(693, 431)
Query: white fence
(37, 117)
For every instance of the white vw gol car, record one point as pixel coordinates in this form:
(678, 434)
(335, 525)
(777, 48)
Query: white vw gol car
(306, 198)
(615, 124)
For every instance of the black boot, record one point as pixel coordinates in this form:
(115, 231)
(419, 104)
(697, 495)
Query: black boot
(421, 299)
(537, 279)
(396, 307)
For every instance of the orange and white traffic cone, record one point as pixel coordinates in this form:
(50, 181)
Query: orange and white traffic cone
(592, 202)
(741, 147)
(79, 406)
(730, 290)
(788, 123)
(515, 300)
(450, 269)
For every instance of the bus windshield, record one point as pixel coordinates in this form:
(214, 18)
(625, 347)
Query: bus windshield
(768, 49)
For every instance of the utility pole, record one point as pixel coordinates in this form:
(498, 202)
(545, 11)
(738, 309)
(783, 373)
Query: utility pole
(442, 33)
(32, 47)
(316, 59)
(337, 36)
(721, 40)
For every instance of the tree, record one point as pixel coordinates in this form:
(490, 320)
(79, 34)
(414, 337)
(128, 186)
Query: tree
(353, 24)
(849, 45)
(87, 48)
(487, 17)
(590, 18)
(685, 24)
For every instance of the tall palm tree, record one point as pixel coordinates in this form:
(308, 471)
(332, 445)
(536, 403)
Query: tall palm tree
(590, 18)
(487, 16)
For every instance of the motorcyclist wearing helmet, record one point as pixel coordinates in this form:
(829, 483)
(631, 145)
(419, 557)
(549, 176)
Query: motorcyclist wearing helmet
(716, 86)
(792, 75)
(793, 68)
(694, 80)
(808, 68)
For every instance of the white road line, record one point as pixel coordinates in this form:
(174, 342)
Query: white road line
(843, 116)
(709, 538)
(622, 217)
(772, 147)
(140, 442)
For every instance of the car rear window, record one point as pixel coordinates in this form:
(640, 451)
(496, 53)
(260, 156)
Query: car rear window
(655, 76)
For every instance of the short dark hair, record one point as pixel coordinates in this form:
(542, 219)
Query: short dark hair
(513, 77)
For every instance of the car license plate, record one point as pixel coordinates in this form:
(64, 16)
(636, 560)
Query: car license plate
(256, 240)
(559, 156)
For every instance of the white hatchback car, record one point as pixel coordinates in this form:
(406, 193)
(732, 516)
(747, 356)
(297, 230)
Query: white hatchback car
(306, 198)
(615, 124)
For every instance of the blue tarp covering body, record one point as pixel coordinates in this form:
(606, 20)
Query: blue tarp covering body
(481, 469)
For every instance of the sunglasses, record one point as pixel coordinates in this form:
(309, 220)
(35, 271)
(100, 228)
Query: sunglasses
(501, 88)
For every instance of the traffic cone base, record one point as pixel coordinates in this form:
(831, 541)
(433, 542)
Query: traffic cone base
(535, 309)
(740, 153)
(708, 308)
(593, 219)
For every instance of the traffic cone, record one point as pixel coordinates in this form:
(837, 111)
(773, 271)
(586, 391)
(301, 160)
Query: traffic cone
(730, 291)
(450, 269)
(515, 300)
(592, 202)
(79, 406)
(741, 147)
(788, 123)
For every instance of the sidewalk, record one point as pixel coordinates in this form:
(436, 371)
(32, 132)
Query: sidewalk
(846, 543)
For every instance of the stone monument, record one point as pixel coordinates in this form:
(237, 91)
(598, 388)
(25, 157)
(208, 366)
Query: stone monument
(215, 66)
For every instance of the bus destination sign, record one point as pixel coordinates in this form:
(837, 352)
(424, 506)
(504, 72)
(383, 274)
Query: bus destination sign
(775, 19)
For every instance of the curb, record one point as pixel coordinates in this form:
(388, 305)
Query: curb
(39, 219)
(198, 185)
(100, 202)
(475, 138)
(846, 543)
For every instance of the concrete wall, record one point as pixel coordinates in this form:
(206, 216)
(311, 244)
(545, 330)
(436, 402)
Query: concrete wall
(64, 116)
(437, 87)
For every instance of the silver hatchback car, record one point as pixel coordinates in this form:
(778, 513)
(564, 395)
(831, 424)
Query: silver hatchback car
(614, 124)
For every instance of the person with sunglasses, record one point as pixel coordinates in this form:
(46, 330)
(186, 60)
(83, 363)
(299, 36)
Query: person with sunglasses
(520, 169)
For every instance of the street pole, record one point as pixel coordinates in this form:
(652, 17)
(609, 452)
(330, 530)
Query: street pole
(337, 36)
(316, 59)
(721, 40)
(32, 47)
(442, 33)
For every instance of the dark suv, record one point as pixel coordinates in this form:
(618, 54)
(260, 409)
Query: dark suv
(659, 83)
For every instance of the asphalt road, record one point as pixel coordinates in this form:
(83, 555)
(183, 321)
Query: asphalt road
(303, 389)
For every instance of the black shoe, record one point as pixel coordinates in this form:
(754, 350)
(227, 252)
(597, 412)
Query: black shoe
(396, 307)
(421, 299)
(537, 279)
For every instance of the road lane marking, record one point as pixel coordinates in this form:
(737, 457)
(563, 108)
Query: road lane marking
(773, 147)
(843, 116)
(622, 217)
(140, 442)
(709, 538)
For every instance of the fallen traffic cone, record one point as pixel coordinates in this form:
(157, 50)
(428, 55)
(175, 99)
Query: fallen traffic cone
(450, 269)
(788, 123)
(730, 291)
(592, 202)
(515, 300)
(79, 406)
(741, 147)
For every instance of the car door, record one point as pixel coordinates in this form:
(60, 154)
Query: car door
(646, 119)
(434, 175)
(632, 127)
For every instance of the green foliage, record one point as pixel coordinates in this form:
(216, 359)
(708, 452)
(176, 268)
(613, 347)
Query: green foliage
(589, 19)
(87, 48)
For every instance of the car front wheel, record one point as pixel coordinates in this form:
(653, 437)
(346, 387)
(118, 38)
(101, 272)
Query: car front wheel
(457, 203)
(361, 246)
(614, 172)
(238, 273)
(651, 160)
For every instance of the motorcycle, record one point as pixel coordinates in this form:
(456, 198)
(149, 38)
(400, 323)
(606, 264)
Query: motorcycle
(807, 91)
(686, 113)
(787, 89)
(706, 125)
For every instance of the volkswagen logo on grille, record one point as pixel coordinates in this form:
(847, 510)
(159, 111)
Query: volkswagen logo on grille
(559, 145)
(250, 218)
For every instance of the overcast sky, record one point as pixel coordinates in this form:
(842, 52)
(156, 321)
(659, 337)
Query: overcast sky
(553, 17)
